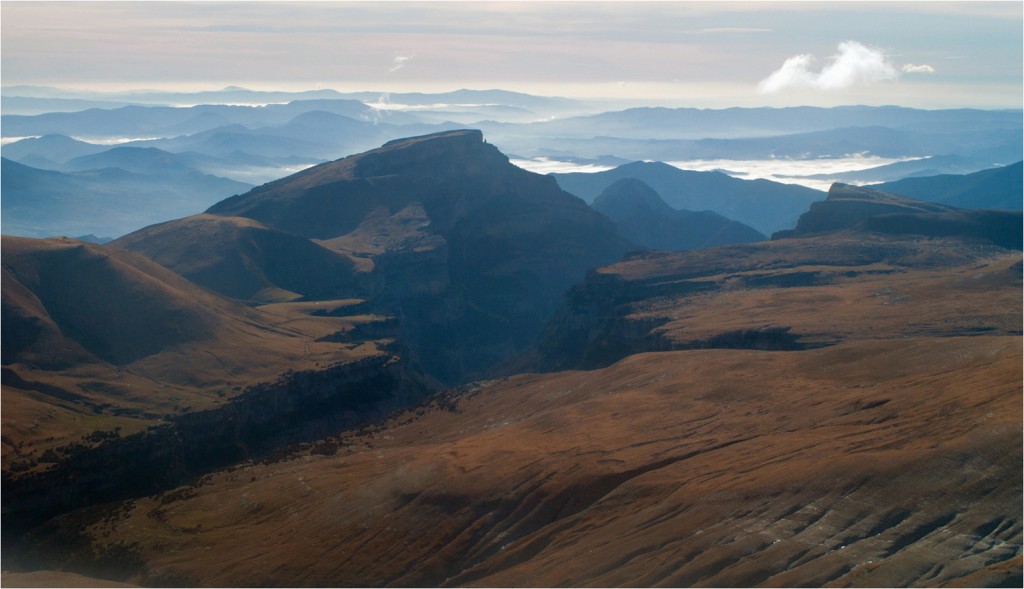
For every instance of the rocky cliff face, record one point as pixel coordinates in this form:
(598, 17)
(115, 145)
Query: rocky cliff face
(297, 407)
(847, 205)
(735, 298)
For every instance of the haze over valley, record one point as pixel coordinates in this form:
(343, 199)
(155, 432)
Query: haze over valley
(512, 294)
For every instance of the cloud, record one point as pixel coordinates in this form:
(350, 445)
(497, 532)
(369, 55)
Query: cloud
(918, 69)
(399, 62)
(854, 65)
(793, 72)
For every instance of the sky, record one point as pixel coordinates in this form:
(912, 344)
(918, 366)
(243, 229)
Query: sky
(713, 55)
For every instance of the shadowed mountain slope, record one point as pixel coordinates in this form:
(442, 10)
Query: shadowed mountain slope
(141, 309)
(762, 204)
(471, 251)
(997, 188)
(74, 312)
(868, 209)
(644, 218)
(243, 259)
(141, 160)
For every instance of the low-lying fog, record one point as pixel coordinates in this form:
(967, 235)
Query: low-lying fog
(789, 171)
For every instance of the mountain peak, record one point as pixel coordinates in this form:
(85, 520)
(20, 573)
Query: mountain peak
(643, 217)
(629, 194)
(471, 136)
(459, 152)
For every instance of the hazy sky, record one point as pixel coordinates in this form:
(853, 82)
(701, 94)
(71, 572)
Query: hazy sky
(926, 54)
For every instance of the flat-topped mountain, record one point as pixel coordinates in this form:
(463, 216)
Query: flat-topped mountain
(452, 174)
(644, 218)
(868, 209)
(471, 251)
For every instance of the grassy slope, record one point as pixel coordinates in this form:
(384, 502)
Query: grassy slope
(871, 462)
(125, 342)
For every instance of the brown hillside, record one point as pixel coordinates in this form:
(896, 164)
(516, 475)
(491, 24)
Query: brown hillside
(869, 463)
(890, 457)
(98, 338)
(785, 294)
(243, 259)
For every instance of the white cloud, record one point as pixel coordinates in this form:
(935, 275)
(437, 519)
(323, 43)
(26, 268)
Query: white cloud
(918, 69)
(793, 72)
(855, 64)
(399, 62)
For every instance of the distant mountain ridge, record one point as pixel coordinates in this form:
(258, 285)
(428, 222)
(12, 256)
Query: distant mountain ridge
(997, 188)
(256, 137)
(108, 201)
(762, 204)
(696, 123)
(643, 217)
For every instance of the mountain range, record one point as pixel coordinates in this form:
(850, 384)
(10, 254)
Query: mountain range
(105, 201)
(997, 188)
(253, 138)
(424, 365)
(762, 204)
